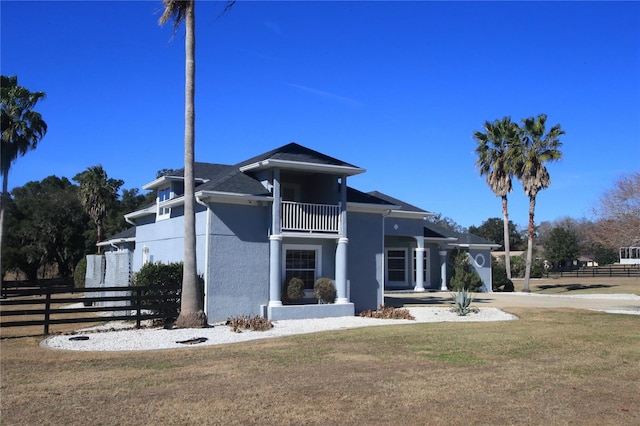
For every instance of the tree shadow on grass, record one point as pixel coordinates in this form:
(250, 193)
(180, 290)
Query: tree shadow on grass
(398, 302)
(574, 287)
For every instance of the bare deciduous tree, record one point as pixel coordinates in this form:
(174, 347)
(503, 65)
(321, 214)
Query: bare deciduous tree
(618, 210)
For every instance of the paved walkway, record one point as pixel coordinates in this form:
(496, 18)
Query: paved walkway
(600, 302)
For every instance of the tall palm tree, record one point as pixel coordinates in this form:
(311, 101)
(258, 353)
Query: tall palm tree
(22, 129)
(536, 147)
(495, 164)
(191, 301)
(97, 193)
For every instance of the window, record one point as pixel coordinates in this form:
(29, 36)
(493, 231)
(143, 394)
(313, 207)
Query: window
(302, 262)
(397, 265)
(164, 194)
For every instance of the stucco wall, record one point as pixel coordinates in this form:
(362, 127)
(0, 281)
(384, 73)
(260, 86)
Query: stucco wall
(480, 260)
(238, 266)
(364, 260)
(164, 240)
(404, 227)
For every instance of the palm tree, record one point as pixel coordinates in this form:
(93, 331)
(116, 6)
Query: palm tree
(494, 162)
(191, 302)
(22, 129)
(97, 194)
(532, 152)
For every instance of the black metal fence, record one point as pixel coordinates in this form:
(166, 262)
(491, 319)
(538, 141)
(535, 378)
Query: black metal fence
(132, 303)
(597, 271)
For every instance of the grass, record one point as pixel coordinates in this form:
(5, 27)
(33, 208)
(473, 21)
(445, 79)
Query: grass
(630, 285)
(553, 366)
(550, 367)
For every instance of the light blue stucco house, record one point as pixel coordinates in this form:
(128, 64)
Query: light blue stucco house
(289, 212)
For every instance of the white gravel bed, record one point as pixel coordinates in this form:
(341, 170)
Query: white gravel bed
(115, 336)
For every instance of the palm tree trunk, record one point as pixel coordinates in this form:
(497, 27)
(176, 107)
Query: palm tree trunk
(191, 303)
(3, 206)
(507, 255)
(99, 238)
(527, 271)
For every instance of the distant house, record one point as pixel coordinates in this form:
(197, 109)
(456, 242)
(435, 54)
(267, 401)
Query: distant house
(586, 260)
(630, 255)
(290, 213)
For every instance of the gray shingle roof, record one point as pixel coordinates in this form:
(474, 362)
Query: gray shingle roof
(127, 233)
(403, 205)
(355, 196)
(431, 230)
(298, 153)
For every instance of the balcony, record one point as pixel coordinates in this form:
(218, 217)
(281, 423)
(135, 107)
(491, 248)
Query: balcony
(307, 217)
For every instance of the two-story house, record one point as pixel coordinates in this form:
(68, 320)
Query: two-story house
(289, 212)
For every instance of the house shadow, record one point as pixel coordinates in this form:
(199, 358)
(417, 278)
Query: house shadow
(574, 287)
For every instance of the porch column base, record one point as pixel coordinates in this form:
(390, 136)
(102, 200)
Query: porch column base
(275, 249)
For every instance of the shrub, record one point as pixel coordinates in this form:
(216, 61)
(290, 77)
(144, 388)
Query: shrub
(166, 279)
(80, 273)
(537, 269)
(295, 289)
(499, 279)
(462, 303)
(324, 290)
(464, 276)
(388, 312)
(244, 322)
(518, 264)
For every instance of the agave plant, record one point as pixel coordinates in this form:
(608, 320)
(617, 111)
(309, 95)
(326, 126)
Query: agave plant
(462, 302)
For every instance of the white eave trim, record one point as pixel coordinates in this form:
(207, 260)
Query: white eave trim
(450, 239)
(303, 166)
(370, 208)
(141, 213)
(116, 242)
(475, 246)
(406, 214)
(163, 180)
(233, 198)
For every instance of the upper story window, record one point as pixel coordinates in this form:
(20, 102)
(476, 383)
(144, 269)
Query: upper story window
(164, 194)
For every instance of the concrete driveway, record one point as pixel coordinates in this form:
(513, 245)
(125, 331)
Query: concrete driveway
(629, 303)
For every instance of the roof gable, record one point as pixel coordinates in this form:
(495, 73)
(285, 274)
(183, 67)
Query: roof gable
(297, 157)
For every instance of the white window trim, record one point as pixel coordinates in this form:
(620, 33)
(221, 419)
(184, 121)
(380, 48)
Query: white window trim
(386, 260)
(315, 247)
(159, 210)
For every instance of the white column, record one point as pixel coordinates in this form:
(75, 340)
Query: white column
(419, 269)
(343, 207)
(443, 270)
(275, 245)
(341, 271)
(275, 274)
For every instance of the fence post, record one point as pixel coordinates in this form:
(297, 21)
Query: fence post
(137, 294)
(47, 310)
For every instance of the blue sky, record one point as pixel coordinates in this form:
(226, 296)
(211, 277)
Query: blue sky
(397, 88)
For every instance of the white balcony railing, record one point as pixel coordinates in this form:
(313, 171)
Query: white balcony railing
(307, 217)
